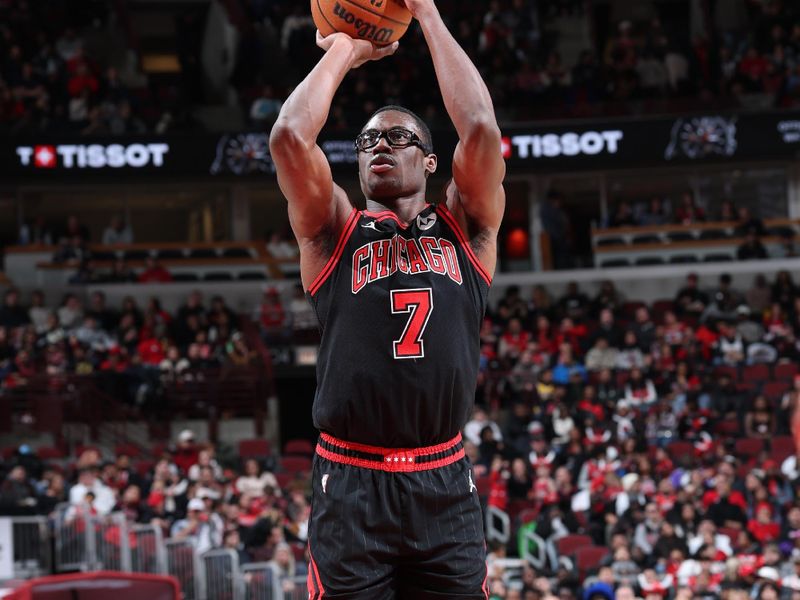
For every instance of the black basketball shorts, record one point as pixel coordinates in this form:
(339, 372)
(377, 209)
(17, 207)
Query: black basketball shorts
(391, 524)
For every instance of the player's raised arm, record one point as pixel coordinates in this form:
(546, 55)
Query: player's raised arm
(478, 165)
(316, 204)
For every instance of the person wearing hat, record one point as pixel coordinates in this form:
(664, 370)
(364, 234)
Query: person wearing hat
(197, 525)
(186, 451)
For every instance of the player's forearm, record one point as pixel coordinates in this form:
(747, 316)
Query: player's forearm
(305, 112)
(465, 94)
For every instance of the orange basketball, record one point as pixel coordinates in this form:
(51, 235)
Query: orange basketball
(378, 21)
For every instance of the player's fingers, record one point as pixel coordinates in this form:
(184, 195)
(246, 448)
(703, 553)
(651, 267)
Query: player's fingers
(323, 42)
(387, 50)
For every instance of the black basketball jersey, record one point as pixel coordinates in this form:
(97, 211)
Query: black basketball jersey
(400, 309)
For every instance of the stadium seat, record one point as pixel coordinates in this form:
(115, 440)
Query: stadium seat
(610, 241)
(527, 515)
(588, 558)
(185, 277)
(649, 238)
(143, 467)
(785, 371)
(710, 258)
(782, 446)
(713, 234)
(203, 253)
(680, 236)
(158, 449)
(254, 448)
(50, 453)
(296, 464)
(748, 447)
(727, 427)
(170, 253)
(236, 253)
(774, 390)
(483, 484)
(298, 446)
(755, 373)
(780, 231)
(682, 259)
(648, 261)
(136, 254)
(218, 276)
(131, 450)
(680, 450)
(252, 276)
(568, 544)
(615, 262)
(103, 255)
(731, 372)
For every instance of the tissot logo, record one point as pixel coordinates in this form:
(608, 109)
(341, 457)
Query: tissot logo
(93, 156)
(550, 145)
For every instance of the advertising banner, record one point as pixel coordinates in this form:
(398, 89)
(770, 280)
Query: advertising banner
(538, 148)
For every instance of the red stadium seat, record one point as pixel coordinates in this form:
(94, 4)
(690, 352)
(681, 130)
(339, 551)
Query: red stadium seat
(748, 447)
(159, 449)
(302, 447)
(785, 371)
(483, 484)
(50, 453)
(755, 373)
(296, 464)
(528, 515)
(660, 307)
(130, 449)
(731, 372)
(568, 544)
(680, 450)
(782, 446)
(589, 558)
(254, 448)
(774, 390)
(143, 467)
(727, 427)
(284, 479)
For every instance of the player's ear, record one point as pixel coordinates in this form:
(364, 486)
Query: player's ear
(431, 162)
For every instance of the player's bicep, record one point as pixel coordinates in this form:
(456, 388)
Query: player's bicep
(305, 178)
(478, 173)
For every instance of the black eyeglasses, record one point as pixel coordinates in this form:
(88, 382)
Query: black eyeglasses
(398, 137)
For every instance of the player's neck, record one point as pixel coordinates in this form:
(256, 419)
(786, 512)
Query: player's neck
(406, 208)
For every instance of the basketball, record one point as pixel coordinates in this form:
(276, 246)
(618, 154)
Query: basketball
(378, 21)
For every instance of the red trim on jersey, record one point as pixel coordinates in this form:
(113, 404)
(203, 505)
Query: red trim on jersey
(393, 459)
(383, 215)
(424, 451)
(451, 221)
(337, 253)
(320, 590)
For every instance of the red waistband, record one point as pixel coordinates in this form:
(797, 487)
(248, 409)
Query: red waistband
(391, 459)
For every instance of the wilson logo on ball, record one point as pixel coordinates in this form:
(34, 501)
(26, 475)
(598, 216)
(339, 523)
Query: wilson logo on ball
(365, 30)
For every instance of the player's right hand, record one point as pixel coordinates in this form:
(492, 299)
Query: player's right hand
(364, 51)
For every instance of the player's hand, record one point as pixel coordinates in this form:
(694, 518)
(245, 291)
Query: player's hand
(418, 7)
(365, 51)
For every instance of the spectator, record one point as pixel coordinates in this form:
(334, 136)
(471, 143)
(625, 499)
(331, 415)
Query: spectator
(751, 248)
(117, 232)
(199, 526)
(759, 295)
(12, 314)
(154, 272)
(265, 108)
(91, 489)
(688, 212)
(556, 225)
(36, 232)
(759, 421)
(690, 300)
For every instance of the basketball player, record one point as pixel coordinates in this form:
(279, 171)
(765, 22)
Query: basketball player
(400, 291)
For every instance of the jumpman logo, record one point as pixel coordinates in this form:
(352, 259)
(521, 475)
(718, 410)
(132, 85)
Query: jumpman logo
(472, 486)
(325, 483)
(370, 225)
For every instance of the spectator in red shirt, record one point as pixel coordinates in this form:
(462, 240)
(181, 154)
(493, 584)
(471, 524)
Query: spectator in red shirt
(154, 272)
(82, 80)
(763, 528)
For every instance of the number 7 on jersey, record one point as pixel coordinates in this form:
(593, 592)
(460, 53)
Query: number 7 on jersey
(419, 304)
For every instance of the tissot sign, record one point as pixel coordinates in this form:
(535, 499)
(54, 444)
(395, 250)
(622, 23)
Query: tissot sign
(92, 156)
(538, 148)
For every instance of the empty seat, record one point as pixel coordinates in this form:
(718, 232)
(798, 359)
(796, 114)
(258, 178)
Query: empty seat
(136, 254)
(236, 253)
(644, 261)
(682, 259)
(727, 370)
(780, 231)
(203, 253)
(568, 544)
(296, 464)
(649, 238)
(681, 450)
(299, 446)
(755, 373)
(785, 371)
(103, 255)
(615, 262)
(170, 253)
(774, 390)
(610, 241)
(680, 236)
(748, 447)
(783, 445)
(185, 277)
(252, 276)
(713, 234)
(588, 558)
(717, 258)
(254, 448)
(218, 276)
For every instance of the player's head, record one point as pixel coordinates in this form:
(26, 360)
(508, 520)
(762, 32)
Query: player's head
(395, 153)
